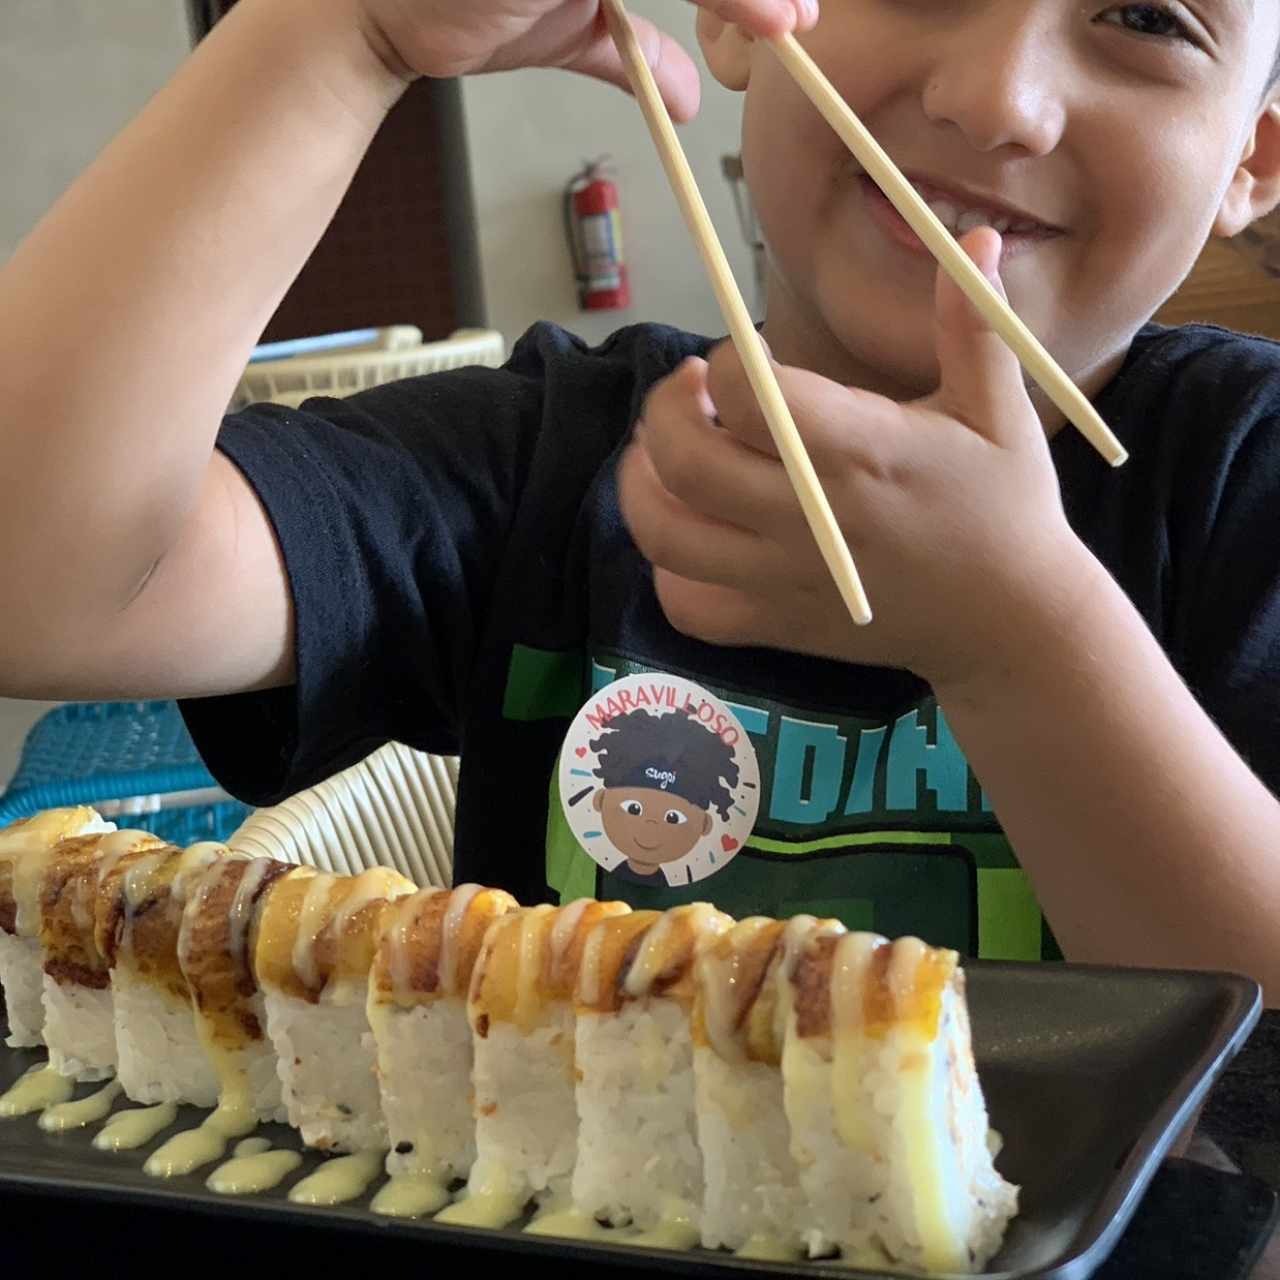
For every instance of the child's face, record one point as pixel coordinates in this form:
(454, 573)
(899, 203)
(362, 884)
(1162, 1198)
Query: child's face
(1122, 148)
(650, 827)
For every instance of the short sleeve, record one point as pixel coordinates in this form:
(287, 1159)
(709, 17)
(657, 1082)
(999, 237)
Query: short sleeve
(392, 509)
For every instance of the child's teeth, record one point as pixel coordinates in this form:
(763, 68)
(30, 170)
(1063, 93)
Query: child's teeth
(971, 220)
(946, 213)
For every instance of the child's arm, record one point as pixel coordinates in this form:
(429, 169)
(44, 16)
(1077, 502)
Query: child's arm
(1147, 838)
(134, 560)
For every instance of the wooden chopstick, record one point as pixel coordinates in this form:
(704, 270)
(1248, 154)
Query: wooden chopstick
(954, 261)
(804, 479)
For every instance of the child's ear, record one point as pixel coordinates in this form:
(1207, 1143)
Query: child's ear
(706, 823)
(1255, 188)
(727, 49)
(597, 800)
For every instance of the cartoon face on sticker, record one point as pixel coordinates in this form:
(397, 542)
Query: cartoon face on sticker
(659, 780)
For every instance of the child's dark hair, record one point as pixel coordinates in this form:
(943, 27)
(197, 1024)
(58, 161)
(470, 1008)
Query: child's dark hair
(700, 763)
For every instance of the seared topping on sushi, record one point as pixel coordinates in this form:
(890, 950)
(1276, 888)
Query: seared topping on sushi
(646, 953)
(323, 929)
(36, 836)
(214, 944)
(736, 1010)
(67, 898)
(139, 909)
(869, 983)
(429, 943)
(532, 957)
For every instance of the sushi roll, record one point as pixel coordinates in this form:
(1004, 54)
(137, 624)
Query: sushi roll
(638, 1157)
(888, 1124)
(31, 841)
(79, 1011)
(138, 916)
(215, 951)
(753, 1200)
(422, 973)
(522, 1020)
(315, 944)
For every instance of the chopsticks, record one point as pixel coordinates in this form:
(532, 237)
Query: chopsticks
(954, 261)
(782, 427)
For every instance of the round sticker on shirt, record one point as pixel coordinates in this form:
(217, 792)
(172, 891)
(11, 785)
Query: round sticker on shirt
(658, 780)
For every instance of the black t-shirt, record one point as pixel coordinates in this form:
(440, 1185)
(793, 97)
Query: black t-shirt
(463, 580)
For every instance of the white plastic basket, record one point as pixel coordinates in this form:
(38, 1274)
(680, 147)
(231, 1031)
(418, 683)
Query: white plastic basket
(399, 353)
(393, 809)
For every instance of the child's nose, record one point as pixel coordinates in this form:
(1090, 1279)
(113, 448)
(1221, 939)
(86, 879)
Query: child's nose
(998, 79)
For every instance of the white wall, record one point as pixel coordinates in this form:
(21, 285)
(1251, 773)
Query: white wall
(530, 131)
(72, 73)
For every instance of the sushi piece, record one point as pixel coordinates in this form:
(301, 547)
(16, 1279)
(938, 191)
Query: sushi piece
(31, 841)
(215, 951)
(888, 1124)
(79, 1011)
(422, 972)
(138, 916)
(315, 944)
(638, 1157)
(753, 1200)
(522, 1019)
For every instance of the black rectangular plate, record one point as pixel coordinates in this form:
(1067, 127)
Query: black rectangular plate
(1090, 1074)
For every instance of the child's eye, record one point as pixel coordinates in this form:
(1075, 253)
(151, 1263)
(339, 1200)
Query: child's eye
(632, 807)
(1155, 20)
(676, 818)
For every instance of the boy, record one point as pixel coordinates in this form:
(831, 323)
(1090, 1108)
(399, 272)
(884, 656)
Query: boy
(660, 777)
(456, 562)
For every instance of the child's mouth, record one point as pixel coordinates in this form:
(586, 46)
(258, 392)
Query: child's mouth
(1019, 234)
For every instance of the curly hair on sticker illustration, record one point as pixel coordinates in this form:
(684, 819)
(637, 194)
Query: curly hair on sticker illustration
(662, 776)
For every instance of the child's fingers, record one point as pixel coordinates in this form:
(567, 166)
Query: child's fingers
(841, 427)
(673, 536)
(981, 380)
(765, 17)
(673, 70)
(720, 615)
(707, 467)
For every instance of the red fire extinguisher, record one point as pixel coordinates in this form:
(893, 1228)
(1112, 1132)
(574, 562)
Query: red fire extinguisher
(593, 225)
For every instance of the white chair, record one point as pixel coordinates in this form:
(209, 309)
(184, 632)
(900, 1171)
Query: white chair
(396, 807)
(399, 353)
(393, 809)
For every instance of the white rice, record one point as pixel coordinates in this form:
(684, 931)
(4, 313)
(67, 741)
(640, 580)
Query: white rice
(903, 1171)
(638, 1157)
(525, 1107)
(79, 1029)
(161, 1058)
(945, 1207)
(21, 973)
(752, 1186)
(255, 1061)
(840, 1184)
(325, 1058)
(424, 1060)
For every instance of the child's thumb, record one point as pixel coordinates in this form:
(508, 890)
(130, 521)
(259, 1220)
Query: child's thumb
(981, 380)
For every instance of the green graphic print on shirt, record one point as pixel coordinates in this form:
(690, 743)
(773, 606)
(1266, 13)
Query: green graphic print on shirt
(879, 823)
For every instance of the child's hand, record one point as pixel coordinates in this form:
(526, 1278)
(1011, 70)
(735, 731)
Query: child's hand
(461, 37)
(950, 507)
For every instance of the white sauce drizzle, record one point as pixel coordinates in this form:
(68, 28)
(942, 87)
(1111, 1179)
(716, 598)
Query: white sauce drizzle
(75, 1115)
(128, 1130)
(39, 1088)
(339, 1180)
(450, 930)
(310, 921)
